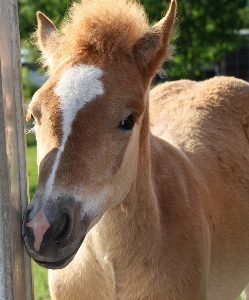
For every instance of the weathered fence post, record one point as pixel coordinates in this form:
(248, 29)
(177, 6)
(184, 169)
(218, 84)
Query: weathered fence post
(15, 265)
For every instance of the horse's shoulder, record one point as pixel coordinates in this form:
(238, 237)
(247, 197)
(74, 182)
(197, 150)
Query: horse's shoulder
(218, 91)
(220, 85)
(170, 89)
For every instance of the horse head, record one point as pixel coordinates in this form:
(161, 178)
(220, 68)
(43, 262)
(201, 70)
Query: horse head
(91, 125)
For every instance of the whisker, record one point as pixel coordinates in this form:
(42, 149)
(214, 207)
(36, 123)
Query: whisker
(32, 130)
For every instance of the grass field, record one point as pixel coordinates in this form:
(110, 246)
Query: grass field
(40, 274)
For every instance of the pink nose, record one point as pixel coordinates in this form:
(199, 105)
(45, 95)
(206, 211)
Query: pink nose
(49, 230)
(49, 226)
(40, 225)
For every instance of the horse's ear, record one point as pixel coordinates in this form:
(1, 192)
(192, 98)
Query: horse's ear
(47, 37)
(154, 46)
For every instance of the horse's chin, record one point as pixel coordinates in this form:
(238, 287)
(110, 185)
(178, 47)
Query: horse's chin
(60, 264)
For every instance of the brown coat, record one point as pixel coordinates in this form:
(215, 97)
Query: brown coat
(137, 198)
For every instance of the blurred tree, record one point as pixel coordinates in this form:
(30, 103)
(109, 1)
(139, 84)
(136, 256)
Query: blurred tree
(244, 15)
(206, 29)
(156, 9)
(54, 9)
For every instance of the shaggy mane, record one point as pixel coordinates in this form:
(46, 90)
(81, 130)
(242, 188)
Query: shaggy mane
(104, 28)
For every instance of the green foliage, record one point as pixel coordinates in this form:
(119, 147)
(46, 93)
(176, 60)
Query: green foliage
(55, 10)
(155, 9)
(244, 15)
(206, 33)
(206, 28)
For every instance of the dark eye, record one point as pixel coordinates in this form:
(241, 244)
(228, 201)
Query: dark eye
(129, 122)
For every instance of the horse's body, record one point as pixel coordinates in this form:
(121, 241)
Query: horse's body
(187, 234)
(160, 196)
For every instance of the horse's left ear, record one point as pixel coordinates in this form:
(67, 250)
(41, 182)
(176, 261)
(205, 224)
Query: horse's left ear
(153, 47)
(47, 37)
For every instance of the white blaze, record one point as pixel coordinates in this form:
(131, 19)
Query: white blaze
(76, 87)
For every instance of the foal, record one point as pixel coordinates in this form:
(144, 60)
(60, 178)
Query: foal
(131, 203)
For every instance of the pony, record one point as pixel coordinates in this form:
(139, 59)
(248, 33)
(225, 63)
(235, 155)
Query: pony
(141, 195)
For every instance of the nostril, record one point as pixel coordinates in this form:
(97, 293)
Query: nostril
(64, 230)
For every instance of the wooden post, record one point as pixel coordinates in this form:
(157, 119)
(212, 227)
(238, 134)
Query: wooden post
(15, 265)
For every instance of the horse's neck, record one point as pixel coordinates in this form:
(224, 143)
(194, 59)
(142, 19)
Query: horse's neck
(127, 236)
(136, 219)
(131, 241)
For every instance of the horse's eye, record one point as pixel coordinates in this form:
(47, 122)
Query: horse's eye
(129, 122)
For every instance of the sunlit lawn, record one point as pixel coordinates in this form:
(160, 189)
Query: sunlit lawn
(40, 274)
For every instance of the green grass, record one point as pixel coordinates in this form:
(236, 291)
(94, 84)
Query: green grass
(40, 274)
(32, 165)
(40, 283)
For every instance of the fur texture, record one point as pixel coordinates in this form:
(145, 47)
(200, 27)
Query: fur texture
(102, 29)
(76, 87)
(156, 209)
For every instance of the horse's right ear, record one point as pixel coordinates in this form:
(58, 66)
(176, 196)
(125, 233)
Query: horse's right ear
(47, 37)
